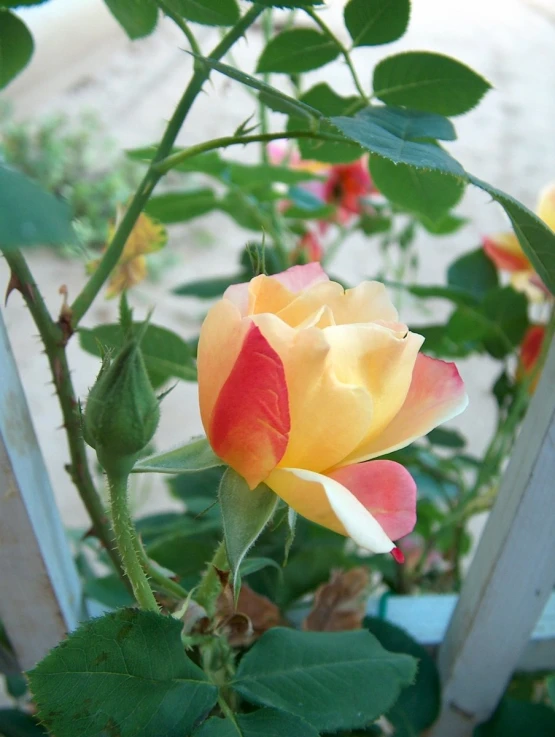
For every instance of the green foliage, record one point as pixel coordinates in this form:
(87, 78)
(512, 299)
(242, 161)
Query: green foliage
(16, 46)
(473, 273)
(165, 354)
(29, 216)
(138, 18)
(536, 239)
(297, 50)
(118, 672)
(180, 207)
(245, 513)
(261, 723)
(418, 706)
(207, 12)
(196, 456)
(446, 438)
(427, 193)
(508, 310)
(16, 723)
(426, 81)
(514, 718)
(377, 22)
(20, 3)
(396, 134)
(311, 674)
(288, 3)
(108, 590)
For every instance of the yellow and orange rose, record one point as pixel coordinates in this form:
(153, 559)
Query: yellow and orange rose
(302, 383)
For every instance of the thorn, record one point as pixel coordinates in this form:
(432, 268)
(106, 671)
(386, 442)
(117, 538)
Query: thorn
(13, 284)
(398, 556)
(66, 315)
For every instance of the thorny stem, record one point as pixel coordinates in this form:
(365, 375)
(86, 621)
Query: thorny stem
(344, 52)
(54, 341)
(182, 24)
(209, 586)
(153, 174)
(162, 583)
(126, 537)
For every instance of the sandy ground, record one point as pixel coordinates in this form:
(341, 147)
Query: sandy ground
(509, 141)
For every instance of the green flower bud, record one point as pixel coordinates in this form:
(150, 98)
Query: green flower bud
(122, 411)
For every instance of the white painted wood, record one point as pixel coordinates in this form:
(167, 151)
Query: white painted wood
(510, 579)
(40, 597)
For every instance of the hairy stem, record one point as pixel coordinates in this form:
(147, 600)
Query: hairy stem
(161, 582)
(209, 586)
(53, 339)
(126, 540)
(84, 300)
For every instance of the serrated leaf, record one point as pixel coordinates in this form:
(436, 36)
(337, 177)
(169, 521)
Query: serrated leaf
(311, 674)
(473, 273)
(195, 456)
(427, 193)
(138, 18)
(116, 674)
(180, 207)
(245, 513)
(376, 22)
(16, 46)
(322, 98)
(426, 81)
(418, 706)
(297, 50)
(29, 216)
(261, 723)
(535, 237)
(302, 109)
(207, 12)
(394, 132)
(165, 354)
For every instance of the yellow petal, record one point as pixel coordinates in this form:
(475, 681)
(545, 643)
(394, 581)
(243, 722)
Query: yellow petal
(546, 206)
(328, 416)
(126, 275)
(325, 501)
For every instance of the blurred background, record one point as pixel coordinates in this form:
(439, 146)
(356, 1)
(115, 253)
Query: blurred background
(116, 94)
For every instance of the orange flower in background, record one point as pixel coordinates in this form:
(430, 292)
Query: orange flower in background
(302, 383)
(345, 187)
(530, 351)
(308, 249)
(147, 236)
(506, 252)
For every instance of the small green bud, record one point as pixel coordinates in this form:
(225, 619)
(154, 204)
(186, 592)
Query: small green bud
(122, 411)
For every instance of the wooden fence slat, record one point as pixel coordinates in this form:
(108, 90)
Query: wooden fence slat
(510, 578)
(40, 597)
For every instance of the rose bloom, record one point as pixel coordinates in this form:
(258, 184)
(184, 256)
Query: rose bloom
(506, 252)
(530, 351)
(302, 383)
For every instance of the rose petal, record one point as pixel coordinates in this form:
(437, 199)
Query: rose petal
(250, 422)
(546, 206)
(324, 500)
(386, 489)
(531, 346)
(506, 253)
(298, 278)
(436, 395)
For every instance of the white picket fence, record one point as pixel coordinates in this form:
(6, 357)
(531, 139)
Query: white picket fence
(504, 618)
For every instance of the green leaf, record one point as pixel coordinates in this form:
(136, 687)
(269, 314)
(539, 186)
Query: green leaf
(207, 12)
(536, 239)
(376, 22)
(508, 310)
(179, 207)
(322, 98)
(199, 490)
(138, 18)
(427, 81)
(427, 193)
(443, 345)
(313, 674)
(165, 354)
(245, 513)
(15, 723)
(20, 3)
(16, 46)
(298, 50)
(418, 706)
(446, 225)
(473, 273)
(253, 565)
(207, 288)
(29, 216)
(393, 133)
(446, 438)
(515, 718)
(261, 723)
(125, 673)
(195, 456)
(108, 590)
(301, 108)
(453, 293)
(288, 3)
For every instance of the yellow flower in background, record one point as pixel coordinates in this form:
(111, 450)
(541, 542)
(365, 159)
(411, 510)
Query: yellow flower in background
(147, 236)
(302, 385)
(506, 252)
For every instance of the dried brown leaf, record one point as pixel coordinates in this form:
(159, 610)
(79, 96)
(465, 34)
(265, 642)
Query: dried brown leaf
(339, 604)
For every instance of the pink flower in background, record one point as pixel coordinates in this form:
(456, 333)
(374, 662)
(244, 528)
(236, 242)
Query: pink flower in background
(346, 186)
(308, 249)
